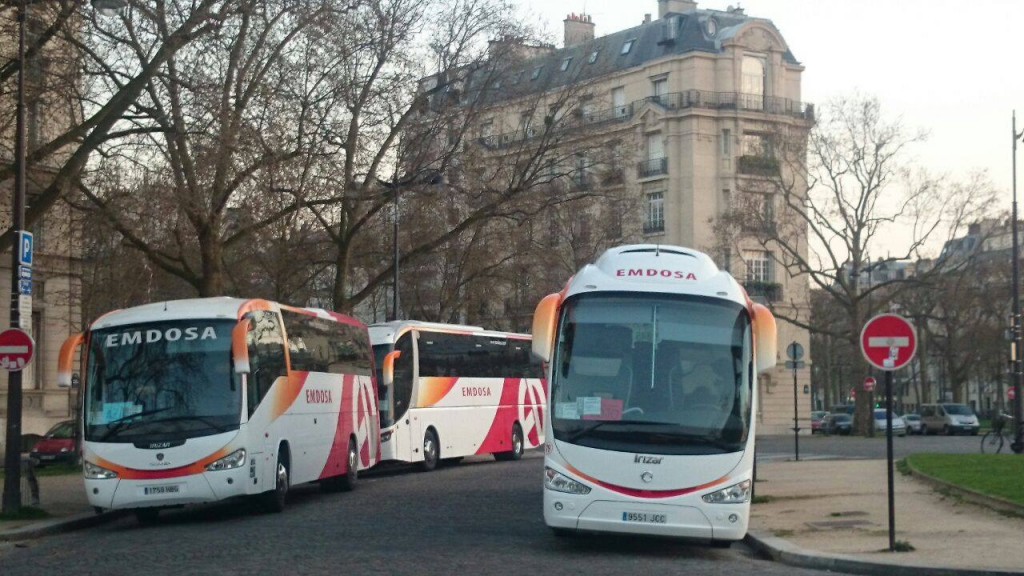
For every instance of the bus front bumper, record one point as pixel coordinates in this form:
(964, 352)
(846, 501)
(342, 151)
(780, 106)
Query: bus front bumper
(117, 493)
(682, 520)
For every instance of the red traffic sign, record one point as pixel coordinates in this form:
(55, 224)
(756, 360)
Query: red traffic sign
(888, 341)
(16, 349)
(869, 384)
(1011, 393)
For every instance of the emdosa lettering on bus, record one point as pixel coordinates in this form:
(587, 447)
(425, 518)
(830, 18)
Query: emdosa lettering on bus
(654, 273)
(151, 336)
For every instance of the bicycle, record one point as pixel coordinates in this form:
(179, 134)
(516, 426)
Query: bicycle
(993, 440)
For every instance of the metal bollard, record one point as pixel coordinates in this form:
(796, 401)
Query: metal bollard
(29, 482)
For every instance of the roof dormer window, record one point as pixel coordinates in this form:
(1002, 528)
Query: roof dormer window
(566, 63)
(627, 46)
(593, 56)
(536, 72)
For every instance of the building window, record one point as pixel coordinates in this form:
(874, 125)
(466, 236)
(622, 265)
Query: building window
(619, 101)
(566, 63)
(655, 213)
(757, 157)
(536, 72)
(593, 56)
(659, 89)
(628, 45)
(727, 143)
(753, 83)
(758, 264)
(656, 163)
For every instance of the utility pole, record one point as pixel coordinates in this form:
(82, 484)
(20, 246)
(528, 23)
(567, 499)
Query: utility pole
(1018, 438)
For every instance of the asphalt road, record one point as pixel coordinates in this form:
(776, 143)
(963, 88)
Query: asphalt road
(478, 517)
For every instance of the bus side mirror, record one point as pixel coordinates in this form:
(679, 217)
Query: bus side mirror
(66, 360)
(765, 338)
(544, 326)
(240, 346)
(388, 369)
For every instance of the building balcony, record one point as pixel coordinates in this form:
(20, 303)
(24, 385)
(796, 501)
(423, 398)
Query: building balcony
(758, 166)
(763, 292)
(652, 167)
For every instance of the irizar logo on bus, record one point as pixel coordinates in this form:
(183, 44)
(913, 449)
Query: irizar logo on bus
(151, 336)
(654, 273)
(640, 459)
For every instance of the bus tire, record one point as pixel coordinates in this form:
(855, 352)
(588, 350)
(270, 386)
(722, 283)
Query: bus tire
(274, 500)
(516, 452)
(147, 516)
(347, 483)
(431, 451)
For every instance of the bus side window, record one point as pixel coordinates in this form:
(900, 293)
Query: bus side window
(403, 375)
(266, 356)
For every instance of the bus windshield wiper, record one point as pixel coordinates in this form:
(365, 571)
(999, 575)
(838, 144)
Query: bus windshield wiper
(119, 424)
(588, 429)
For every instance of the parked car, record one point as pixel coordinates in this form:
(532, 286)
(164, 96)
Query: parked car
(899, 427)
(817, 417)
(58, 445)
(949, 418)
(913, 422)
(841, 424)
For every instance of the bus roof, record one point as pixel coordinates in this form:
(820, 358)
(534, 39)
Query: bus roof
(225, 307)
(389, 332)
(656, 268)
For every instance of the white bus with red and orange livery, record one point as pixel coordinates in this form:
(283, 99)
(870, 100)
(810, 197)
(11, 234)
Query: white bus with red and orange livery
(653, 360)
(449, 391)
(200, 400)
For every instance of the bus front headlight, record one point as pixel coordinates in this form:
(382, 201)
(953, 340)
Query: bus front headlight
(562, 483)
(94, 472)
(234, 460)
(735, 494)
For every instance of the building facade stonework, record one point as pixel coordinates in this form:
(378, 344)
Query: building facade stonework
(691, 106)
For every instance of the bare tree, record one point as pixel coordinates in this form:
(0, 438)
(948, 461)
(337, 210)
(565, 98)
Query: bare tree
(849, 193)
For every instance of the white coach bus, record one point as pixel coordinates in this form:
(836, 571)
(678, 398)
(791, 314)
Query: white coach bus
(449, 391)
(200, 400)
(653, 358)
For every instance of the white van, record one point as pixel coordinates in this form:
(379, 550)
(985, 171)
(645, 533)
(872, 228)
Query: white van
(948, 418)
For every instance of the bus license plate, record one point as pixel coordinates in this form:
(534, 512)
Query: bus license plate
(644, 517)
(161, 490)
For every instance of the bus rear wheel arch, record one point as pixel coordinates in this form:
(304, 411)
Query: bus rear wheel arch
(517, 443)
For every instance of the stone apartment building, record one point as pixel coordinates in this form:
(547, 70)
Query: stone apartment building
(692, 104)
(56, 289)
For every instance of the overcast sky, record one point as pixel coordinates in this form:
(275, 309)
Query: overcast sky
(948, 67)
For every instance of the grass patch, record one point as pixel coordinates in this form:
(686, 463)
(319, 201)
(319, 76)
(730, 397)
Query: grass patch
(760, 499)
(996, 475)
(25, 513)
(903, 546)
(783, 533)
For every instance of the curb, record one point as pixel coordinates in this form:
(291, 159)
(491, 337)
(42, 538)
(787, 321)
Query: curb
(59, 525)
(784, 552)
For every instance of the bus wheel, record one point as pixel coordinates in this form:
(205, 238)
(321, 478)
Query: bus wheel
(147, 516)
(517, 446)
(275, 499)
(431, 451)
(348, 481)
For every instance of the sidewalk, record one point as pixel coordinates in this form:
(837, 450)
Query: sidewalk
(822, 514)
(833, 514)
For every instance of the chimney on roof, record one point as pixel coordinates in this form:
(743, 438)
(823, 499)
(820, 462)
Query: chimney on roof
(579, 28)
(647, 18)
(675, 7)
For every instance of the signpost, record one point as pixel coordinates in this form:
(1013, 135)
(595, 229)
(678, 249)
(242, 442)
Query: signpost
(888, 342)
(869, 384)
(795, 352)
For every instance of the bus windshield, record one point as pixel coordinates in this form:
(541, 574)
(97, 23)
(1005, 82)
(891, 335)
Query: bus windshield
(161, 381)
(653, 373)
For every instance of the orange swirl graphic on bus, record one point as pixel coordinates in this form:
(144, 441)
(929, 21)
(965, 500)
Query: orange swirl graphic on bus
(434, 389)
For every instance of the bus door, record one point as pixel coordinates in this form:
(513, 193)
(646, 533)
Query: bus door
(402, 364)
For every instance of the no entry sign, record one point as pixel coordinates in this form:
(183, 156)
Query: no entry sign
(869, 384)
(888, 341)
(16, 348)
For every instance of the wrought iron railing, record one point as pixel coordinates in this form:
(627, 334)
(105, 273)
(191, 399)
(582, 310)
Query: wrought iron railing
(652, 167)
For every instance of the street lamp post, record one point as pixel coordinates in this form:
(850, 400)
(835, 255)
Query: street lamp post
(394, 240)
(1018, 439)
(12, 454)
